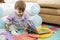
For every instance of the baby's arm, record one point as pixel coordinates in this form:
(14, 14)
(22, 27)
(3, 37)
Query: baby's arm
(12, 31)
(31, 27)
(8, 21)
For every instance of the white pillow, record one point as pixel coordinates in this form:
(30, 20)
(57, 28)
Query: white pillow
(4, 18)
(32, 8)
(1, 11)
(6, 9)
(10, 1)
(2, 37)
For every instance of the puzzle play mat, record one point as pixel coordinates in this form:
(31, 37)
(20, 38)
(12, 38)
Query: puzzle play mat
(54, 36)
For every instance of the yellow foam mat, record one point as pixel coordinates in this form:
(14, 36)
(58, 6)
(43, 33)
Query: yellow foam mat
(45, 35)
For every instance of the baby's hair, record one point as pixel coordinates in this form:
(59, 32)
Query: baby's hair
(20, 5)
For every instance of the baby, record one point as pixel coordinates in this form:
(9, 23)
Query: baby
(18, 19)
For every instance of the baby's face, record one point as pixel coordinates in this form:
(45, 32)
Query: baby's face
(19, 12)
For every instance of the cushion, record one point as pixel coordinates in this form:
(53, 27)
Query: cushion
(32, 8)
(49, 3)
(13, 1)
(2, 24)
(50, 19)
(10, 1)
(1, 11)
(50, 11)
(5, 9)
(37, 20)
(30, 0)
(2, 37)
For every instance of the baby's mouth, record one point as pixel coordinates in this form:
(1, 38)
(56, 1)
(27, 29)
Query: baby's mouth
(20, 15)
